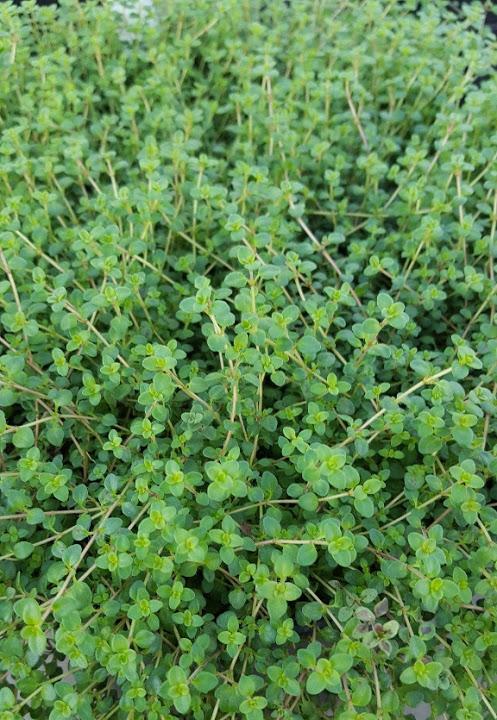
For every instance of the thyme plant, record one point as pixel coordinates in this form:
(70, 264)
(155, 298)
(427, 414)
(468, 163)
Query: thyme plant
(248, 361)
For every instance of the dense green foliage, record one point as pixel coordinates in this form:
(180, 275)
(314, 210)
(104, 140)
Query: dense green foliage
(248, 362)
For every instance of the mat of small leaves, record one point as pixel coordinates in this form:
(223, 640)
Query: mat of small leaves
(248, 361)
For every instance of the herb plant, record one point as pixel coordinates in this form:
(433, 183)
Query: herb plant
(248, 361)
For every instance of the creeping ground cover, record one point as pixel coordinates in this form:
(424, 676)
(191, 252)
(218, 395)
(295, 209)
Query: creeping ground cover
(248, 361)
